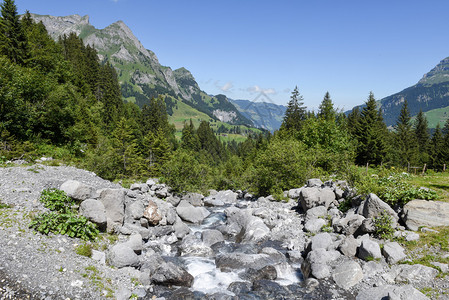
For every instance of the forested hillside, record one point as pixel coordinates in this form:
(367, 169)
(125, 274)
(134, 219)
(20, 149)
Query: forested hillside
(58, 99)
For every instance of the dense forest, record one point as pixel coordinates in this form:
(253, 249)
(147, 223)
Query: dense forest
(57, 99)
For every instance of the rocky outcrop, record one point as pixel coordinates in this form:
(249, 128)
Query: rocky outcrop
(423, 213)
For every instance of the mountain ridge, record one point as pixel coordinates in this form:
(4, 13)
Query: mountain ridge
(140, 74)
(430, 93)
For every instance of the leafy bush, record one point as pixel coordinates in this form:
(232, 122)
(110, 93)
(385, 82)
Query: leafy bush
(383, 226)
(62, 219)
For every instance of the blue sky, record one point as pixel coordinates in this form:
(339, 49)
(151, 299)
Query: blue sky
(241, 48)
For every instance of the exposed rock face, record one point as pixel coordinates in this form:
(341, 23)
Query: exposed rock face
(393, 252)
(419, 213)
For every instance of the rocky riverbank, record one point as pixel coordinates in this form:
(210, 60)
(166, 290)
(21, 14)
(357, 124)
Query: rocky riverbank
(226, 245)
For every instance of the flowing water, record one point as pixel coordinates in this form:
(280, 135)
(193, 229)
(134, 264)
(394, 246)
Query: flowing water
(209, 279)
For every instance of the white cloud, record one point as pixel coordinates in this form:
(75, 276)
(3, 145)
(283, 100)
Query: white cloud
(258, 89)
(227, 86)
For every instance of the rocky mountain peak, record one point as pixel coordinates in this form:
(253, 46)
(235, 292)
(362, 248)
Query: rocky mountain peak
(440, 73)
(57, 26)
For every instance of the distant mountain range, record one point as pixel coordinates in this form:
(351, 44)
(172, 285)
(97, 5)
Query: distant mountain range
(142, 76)
(431, 94)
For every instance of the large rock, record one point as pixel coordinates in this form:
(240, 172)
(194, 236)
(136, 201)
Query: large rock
(121, 256)
(134, 211)
(180, 228)
(152, 213)
(373, 207)
(347, 274)
(321, 240)
(194, 198)
(192, 245)
(314, 196)
(314, 225)
(349, 246)
(393, 252)
(211, 236)
(114, 203)
(316, 212)
(419, 213)
(95, 212)
(190, 213)
(135, 242)
(255, 230)
(170, 274)
(316, 263)
(369, 250)
(226, 197)
(77, 190)
(415, 273)
(391, 292)
(238, 260)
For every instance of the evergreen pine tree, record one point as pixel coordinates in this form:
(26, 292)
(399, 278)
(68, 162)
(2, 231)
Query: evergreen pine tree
(326, 109)
(371, 134)
(353, 121)
(436, 152)
(405, 139)
(295, 113)
(189, 139)
(422, 136)
(13, 42)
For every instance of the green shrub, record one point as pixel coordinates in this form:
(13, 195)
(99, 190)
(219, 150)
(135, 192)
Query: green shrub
(84, 250)
(383, 226)
(62, 219)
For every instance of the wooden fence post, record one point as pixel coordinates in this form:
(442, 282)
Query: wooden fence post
(367, 164)
(408, 167)
(444, 167)
(424, 169)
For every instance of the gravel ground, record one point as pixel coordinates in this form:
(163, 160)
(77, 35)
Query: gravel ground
(36, 266)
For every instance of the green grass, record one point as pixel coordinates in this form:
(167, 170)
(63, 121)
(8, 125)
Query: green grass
(438, 182)
(435, 116)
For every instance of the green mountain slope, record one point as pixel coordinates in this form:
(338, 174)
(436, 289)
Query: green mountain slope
(429, 94)
(140, 73)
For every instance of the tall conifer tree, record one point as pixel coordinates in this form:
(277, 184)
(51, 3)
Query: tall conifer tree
(404, 137)
(295, 113)
(13, 42)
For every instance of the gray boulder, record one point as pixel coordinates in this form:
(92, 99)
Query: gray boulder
(121, 256)
(321, 240)
(391, 292)
(238, 260)
(211, 236)
(415, 273)
(349, 246)
(77, 190)
(226, 197)
(369, 249)
(314, 225)
(152, 261)
(135, 242)
(314, 182)
(192, 245)
(95, 212)
(418, 213)
(347, 274)
(114, 204)
(314, 196)
(373, 207)
(134, 211)
(294, 193)
(173, 200)
(194, 198)
(181, 229)
(169, 274)
(316, 263)
(255, 230)
(393, 252)
(316, 212)
(190, 213)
